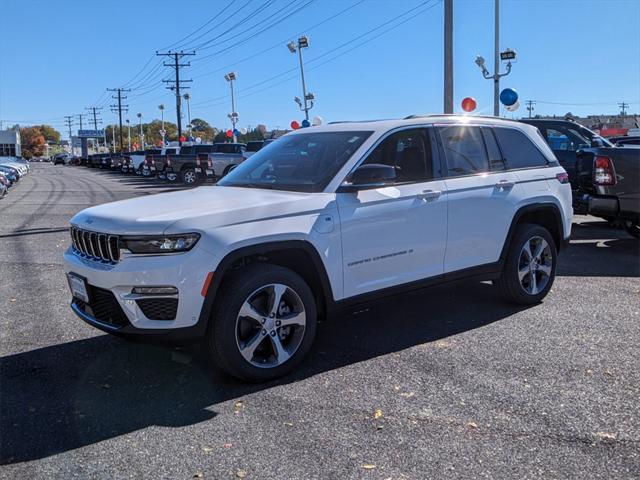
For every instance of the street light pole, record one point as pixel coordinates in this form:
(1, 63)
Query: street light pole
(139, 115)
(231, 77)
(187, 97)
(307, 98)
(162, 133)
(128, 133)
(507, 55)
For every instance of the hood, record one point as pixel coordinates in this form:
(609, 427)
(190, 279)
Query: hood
(196, 209)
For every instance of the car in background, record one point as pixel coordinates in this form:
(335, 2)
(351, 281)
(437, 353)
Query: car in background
(61, 159)
(605, 178)
(11, 173)
(253, 147)
(625, 140)
(4, 185)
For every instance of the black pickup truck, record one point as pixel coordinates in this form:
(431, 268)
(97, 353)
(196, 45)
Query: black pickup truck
(605, 179)
(194, 163)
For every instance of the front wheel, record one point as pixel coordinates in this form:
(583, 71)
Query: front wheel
(189, 176)
(530, 267)
(632, 228)
(263, 324)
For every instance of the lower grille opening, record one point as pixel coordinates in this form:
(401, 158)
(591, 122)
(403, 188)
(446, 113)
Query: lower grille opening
(103, 306)
(159, 308)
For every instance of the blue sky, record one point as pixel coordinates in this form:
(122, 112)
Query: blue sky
(58, 57)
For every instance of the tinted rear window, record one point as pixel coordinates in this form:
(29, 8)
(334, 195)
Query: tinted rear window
(518, 150)
(254, 146)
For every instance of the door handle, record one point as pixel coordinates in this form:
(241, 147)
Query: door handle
(429, 194)
(505, 184)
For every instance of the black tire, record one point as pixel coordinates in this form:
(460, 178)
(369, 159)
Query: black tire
(633, 229)
(189, 176)
(221, 342)
(510, 284)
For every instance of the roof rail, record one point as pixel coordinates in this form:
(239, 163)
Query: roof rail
(357, 121)
(430, 115)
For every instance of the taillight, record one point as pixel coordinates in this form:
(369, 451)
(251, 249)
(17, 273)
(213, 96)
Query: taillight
(563, 177)
(603, 171)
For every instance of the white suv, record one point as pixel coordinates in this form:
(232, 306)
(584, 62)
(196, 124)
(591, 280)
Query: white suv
(325, 217)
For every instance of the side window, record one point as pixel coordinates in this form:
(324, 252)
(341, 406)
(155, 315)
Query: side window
(496, 160)
(565, 139)
(518, 150)
(409, 152)
(464, 150)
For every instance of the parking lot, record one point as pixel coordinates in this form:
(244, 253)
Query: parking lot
(443, 383)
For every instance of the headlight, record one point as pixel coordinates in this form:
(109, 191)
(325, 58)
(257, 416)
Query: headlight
(159, 244)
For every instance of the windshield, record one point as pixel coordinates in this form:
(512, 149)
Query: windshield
(303, 162)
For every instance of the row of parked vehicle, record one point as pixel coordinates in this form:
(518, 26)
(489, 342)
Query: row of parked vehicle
(12, 169)
(189, 164)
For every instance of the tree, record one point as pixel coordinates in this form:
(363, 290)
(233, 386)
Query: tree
(51, 135)
(33, 142)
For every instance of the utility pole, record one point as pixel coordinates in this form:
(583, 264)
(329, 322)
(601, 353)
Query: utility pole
(68, 120)
(119, 108)
(623, 108)
(80, 115)
(530, 108)
(448, 56)
(176, 87)
(93, 111)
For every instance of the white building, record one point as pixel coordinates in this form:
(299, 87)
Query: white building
(10, 143)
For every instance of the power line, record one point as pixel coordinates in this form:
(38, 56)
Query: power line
(94, 111)
(176, 83)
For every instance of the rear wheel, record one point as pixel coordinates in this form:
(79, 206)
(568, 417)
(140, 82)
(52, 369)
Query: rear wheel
(264, 323)
(530, 267)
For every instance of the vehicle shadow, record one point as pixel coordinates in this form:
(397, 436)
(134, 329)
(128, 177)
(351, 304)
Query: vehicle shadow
(63, 397)
(598, 250)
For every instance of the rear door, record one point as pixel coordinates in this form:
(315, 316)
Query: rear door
(482, 196)
(565, 142)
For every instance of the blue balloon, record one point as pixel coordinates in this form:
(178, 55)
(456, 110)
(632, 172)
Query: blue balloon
(508, 96)
(236, 132)
(305, 123)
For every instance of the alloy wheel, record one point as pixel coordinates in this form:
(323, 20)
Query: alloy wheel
(270, 325)
(535, 265)
(189, 177)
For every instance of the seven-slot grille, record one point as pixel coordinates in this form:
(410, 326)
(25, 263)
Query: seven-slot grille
(98, 246)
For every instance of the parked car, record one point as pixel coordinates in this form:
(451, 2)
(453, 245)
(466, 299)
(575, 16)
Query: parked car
(197, 163)
(12, 174)
(605, 179)
(253, 147)
(138, 158)
(325, 217)
(4, 186)
(61, 159)
(625, 140)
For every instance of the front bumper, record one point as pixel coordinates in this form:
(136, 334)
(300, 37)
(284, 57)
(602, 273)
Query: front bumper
(187, 272)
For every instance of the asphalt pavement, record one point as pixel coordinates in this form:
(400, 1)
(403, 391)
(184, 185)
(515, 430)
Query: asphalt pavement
(443, 383)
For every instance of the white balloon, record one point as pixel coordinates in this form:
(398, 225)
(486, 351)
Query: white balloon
(198, 140)
(513, 108)
(316, 121)
(243, 131)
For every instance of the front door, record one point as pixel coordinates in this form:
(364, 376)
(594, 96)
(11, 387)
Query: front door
(396, 234)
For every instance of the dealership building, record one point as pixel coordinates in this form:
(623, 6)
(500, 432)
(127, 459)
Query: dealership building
(10, 143)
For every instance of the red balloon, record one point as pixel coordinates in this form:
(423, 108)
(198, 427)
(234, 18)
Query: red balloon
(469, 104)
(183, 139)
(295, 125)
(229, 133)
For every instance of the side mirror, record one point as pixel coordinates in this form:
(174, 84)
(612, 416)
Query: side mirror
(370, 176)
(596, 143)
